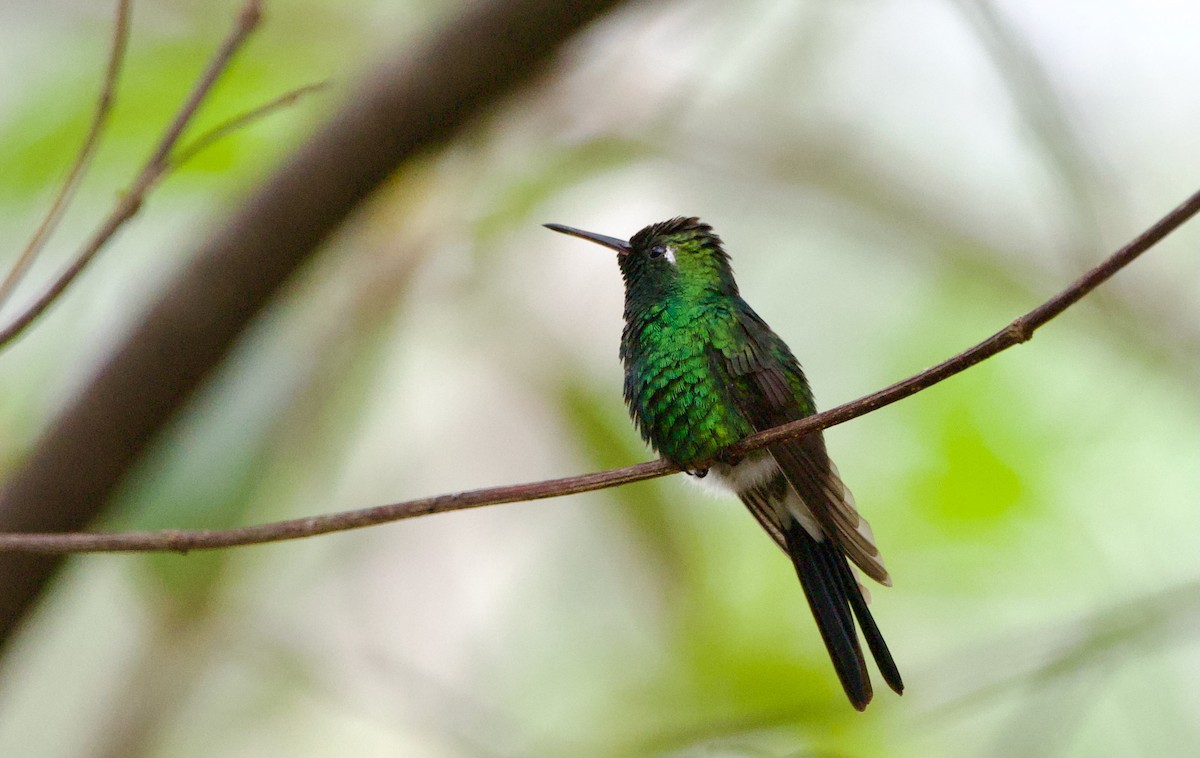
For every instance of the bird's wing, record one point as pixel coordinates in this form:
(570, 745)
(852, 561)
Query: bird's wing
(766, 384)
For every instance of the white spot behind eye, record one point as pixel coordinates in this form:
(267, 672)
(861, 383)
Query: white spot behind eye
(670, 255)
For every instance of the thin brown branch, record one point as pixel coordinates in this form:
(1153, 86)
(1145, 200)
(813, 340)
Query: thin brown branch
(174, 540)
(152, 171)
(240, 121)
(1020, 330)
(108, 93)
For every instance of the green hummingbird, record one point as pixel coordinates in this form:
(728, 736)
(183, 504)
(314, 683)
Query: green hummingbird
(703, 371)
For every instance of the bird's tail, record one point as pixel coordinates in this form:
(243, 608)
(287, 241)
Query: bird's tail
(836, 601)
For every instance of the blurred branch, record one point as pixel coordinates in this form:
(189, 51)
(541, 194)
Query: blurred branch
(1020, 330)
(108, 91)
(1159, 618)
(1036, 99)
(406, 106)
(242, 120)
(153, 170)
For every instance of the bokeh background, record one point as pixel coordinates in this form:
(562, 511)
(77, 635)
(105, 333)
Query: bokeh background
(895, 181)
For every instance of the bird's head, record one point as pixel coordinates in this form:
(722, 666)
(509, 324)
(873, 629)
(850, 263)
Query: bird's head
(679, 255)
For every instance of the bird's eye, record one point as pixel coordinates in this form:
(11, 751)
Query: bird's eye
(658, 251)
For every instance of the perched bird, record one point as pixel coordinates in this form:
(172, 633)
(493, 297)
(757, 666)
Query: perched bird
(703, 371)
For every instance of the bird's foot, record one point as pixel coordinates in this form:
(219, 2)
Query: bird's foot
(729, 458)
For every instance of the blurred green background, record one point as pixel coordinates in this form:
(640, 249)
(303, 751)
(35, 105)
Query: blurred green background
(895, 181)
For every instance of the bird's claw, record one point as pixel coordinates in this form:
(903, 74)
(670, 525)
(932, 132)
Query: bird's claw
(730, 458)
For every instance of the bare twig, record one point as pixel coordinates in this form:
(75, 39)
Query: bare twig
(1020, 330)
(108, 92)
(227, 127)
(174, 540)
(152, 171)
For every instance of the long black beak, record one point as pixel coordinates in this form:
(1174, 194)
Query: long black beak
(621, 246)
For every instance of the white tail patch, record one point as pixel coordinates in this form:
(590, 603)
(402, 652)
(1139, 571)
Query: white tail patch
(860, 544)
(795, 505)
(749, 472)
(853, 532)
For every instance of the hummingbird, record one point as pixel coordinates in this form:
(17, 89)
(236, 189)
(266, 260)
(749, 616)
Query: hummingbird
(702, 372)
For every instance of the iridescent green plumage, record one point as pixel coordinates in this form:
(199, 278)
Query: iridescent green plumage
(687, 333)
(703, 371)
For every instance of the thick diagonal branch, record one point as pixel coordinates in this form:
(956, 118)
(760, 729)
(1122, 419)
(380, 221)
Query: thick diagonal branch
(412, 104)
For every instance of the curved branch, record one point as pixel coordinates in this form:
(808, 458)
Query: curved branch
(1020, 330)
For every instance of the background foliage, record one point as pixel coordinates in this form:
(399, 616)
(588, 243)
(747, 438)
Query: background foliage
(894, 181)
